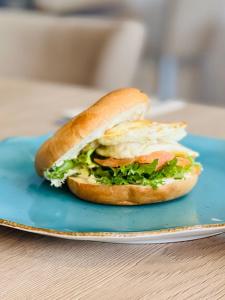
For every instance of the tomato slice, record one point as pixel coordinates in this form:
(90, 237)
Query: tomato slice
(182, 161)
(114, 162)
(162, 157)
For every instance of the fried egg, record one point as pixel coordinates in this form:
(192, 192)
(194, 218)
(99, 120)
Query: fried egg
(129, 150)
(143, 131)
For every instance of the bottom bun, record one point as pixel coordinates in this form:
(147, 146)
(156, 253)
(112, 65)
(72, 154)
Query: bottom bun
(130, 194)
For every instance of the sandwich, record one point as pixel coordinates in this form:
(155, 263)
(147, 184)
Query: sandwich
(110, 154)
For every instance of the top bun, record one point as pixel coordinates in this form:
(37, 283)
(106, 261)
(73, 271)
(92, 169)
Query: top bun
(116, 107)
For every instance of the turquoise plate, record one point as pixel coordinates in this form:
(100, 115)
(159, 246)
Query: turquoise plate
(29, 203)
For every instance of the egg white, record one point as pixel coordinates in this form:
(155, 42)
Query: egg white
(143, 131)
(129, 150)
(142, 137)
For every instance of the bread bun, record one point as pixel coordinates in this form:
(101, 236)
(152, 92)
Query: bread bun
(116, 107)
(131, 194)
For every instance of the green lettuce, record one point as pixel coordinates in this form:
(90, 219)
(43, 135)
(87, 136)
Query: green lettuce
(59, 172)
(140, 174)
(84, 160)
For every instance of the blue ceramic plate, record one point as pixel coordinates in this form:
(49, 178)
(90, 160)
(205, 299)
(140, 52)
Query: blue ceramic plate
(29, 203)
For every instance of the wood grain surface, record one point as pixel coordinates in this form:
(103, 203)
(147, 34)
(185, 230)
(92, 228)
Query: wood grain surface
(38, 267)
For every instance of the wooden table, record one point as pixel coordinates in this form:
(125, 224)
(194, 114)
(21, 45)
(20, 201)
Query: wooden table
(38, 267)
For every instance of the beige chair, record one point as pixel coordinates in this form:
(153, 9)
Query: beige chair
(78, 50)
(189, 29)
(67, 6)
(213, 70)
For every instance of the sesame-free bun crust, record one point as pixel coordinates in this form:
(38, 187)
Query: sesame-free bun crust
(116, 107)
(131, 194)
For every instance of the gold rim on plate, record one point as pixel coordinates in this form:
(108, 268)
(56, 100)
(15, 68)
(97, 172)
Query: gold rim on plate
(53, 232)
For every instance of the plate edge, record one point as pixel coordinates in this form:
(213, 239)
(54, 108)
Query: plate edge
(170, 231)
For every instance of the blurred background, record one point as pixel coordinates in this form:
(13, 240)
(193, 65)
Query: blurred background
(172, 49)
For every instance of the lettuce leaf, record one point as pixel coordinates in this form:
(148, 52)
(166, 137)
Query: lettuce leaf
(140, 174)
(85, 159)
(59, 172)
(82, 161)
